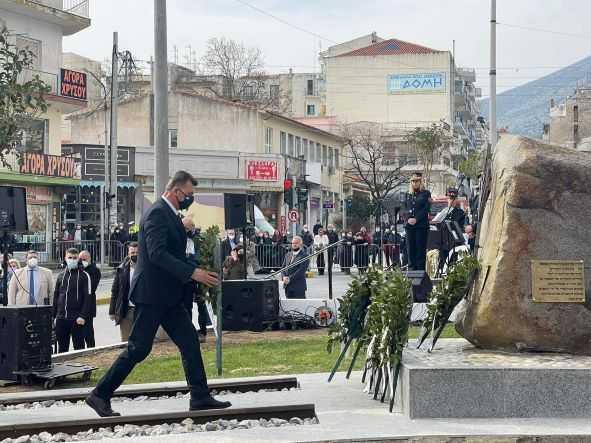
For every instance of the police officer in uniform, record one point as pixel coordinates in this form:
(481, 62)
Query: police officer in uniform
(454, 212)
(418, 205)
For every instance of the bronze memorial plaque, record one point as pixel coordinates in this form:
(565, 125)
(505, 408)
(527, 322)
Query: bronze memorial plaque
(558, 281)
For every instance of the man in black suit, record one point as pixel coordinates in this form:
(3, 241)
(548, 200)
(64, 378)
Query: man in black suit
(157, 291)
(294, 279)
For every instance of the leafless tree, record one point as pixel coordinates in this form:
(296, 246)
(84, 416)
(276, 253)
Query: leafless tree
(370, 163)
(241, 73)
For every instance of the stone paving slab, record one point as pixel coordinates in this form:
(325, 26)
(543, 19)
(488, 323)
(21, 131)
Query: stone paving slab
(459, 353)
(344, 412)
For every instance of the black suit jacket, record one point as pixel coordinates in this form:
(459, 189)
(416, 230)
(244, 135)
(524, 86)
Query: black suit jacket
(162, 269)
(297, 274)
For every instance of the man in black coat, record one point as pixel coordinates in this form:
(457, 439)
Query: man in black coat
(121, 309)
(95, 278)
(294, 279)
(157, 291)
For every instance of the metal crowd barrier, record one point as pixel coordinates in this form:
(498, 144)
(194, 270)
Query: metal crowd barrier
(346, 257)
(55, 252)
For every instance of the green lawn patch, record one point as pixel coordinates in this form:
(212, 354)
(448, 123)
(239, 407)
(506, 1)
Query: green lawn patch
(266, 357)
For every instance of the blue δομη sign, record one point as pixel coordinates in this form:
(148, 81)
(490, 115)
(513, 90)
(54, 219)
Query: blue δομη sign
(421, 82)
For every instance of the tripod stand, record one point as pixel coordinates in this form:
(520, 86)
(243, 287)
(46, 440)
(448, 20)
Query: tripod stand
(5, 245)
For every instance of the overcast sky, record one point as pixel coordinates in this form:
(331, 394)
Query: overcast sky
(435, 23)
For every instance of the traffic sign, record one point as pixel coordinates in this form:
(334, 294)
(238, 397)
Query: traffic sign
(293, 216)
(328, 205)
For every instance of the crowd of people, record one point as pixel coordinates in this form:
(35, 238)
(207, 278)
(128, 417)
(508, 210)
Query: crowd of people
(72, 294)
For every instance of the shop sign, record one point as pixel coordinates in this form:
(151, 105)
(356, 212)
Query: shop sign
(38, 195)
(73, 84)
(420, 82)
(262, 170)
(50, 165)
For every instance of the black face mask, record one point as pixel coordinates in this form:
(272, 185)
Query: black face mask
(186, 202)
(133, 258)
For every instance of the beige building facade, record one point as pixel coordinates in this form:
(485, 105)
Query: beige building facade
(200, 126)
(570, 122)
(39, 26)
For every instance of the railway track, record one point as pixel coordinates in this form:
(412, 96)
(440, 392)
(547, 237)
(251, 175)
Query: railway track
(152, 390)
(72, 427)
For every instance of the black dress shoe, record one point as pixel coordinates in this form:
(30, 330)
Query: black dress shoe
(100, 406)
(208, 403)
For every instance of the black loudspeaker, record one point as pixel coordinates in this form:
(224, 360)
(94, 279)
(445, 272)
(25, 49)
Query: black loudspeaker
(13, 209)
(25, 339)
(235, 211)
(249, 305)
(421, 285)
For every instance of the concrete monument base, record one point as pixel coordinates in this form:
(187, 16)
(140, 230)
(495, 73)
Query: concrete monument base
(458, 380)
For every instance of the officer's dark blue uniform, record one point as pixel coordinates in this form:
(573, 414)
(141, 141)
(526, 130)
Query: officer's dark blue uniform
(418, 206)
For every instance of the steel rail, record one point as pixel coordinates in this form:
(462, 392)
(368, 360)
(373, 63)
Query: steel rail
(152, 391)
(72, 427)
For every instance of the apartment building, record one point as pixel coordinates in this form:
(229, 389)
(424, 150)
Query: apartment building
(40, 26)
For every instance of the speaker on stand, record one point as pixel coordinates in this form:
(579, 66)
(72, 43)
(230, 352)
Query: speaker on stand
(249, 305)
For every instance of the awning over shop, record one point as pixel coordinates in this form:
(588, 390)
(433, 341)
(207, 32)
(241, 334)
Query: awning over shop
(97, 183)
(36, 180)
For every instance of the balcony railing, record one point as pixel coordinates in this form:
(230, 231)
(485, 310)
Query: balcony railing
(76, 7)
(48, 78)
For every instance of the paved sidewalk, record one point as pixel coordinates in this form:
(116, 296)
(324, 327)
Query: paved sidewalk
(343, 410)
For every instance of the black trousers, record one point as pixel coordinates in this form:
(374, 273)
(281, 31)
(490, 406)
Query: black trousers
(416, 247)
(177, 323)
(291, 293)
(203, 316)
(320, 263)
(89, 333)
(66, 328)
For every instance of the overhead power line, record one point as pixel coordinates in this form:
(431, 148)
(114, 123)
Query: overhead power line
(547, 31)
(279, 19)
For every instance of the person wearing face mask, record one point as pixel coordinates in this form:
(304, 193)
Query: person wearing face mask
(31, 285)
(95, 279)
(121, 308)
(228, 244)
(307, 237)
(72, 303)
(158, 293)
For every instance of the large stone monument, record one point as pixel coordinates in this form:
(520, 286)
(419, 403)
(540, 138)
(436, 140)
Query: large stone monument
(535, 244)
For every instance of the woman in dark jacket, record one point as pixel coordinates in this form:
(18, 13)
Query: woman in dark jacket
(417, 224)
(234, 264)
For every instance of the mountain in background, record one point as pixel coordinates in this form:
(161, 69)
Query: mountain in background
(524, 109)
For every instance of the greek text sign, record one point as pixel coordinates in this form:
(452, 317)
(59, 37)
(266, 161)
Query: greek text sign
(262, 170)
(73, 84)
(50, 165)
(412, 83)
(558, 281)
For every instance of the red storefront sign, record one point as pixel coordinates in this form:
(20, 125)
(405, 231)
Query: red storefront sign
(262, 170)
(50, 165)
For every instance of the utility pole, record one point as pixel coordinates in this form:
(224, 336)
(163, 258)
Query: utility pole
(112, 189)
(493, 75)
(160, 99)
